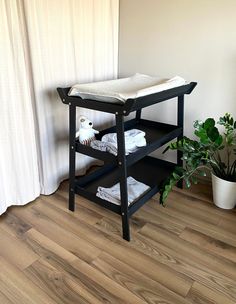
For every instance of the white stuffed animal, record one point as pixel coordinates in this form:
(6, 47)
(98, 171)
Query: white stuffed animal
(86, 133)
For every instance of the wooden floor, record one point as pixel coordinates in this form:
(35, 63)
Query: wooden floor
(184, 253)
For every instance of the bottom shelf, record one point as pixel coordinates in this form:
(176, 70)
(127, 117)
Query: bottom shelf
(149, 170)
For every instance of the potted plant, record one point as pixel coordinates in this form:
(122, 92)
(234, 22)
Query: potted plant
(211, 151)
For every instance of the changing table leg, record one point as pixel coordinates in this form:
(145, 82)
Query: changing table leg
(180, 123)
(123, 176)
(72, 130)
(138, 114)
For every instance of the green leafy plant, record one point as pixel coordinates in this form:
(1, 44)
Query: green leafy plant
(211, 151)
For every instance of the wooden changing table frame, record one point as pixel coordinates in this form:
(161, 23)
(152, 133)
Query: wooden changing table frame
(146, 169)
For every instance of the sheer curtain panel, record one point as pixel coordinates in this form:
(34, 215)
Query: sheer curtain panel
(46, 44)
(19, 172)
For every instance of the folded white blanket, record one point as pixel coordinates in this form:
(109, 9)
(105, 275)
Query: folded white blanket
(119, 90)
(135, 190)
(134, 139)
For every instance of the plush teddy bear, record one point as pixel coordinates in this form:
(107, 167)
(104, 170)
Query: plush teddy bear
(86, 133)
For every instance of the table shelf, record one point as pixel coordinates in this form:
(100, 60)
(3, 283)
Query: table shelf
(149, 170)
(157, 134)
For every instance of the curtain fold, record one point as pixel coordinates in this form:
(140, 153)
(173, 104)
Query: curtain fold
(19, 175)
(46, 44)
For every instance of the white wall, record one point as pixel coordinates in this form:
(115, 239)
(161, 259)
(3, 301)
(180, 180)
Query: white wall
(193, 39)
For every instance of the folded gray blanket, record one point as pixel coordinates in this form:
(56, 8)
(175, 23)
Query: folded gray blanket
(135, 190)
(104, 146)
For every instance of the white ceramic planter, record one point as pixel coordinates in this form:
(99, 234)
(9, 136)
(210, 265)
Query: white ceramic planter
(224, 193)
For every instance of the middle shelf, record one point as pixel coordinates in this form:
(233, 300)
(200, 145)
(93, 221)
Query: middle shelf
(157, 134)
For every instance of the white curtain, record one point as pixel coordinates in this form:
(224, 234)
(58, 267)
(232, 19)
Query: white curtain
(19, 174)
(46, 44)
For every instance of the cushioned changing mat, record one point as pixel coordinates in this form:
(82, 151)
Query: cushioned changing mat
(119, 90)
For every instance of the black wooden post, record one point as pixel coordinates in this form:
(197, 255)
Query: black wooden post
(123, 175)
(180, 123)
(72, 131)
(138, 114)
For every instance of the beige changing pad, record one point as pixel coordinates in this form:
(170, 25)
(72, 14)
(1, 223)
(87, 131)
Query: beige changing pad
(119, 90)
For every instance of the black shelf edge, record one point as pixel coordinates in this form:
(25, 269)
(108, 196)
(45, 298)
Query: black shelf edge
(81, 191)
(88, 103)
(87, 150)
(136, 156)
(142, 200)
(130, 105)
(148, 100)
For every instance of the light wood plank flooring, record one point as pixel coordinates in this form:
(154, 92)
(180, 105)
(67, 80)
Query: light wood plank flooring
(183, 253)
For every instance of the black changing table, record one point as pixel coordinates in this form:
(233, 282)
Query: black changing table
(149, 170)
